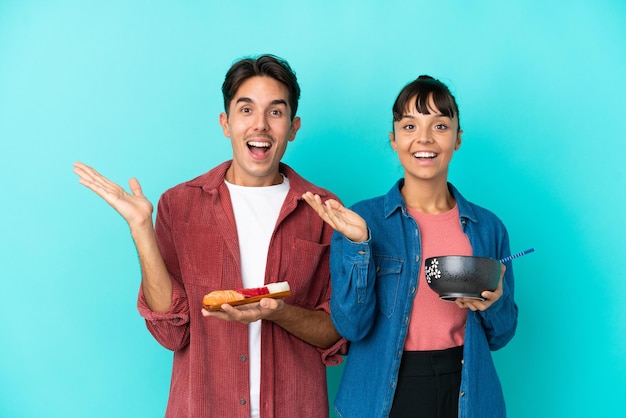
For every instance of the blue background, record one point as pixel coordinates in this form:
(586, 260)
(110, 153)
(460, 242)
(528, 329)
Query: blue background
(133, 88)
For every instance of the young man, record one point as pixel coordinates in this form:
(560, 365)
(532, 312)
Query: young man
(243, 224)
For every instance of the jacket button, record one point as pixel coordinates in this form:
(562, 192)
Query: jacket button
(243, 357)
(462, 394)
(242, 401)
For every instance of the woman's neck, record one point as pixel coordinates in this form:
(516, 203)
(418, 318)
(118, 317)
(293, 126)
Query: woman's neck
(427, 196)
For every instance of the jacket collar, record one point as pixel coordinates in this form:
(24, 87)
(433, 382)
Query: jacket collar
(213, 179)
(393, 201)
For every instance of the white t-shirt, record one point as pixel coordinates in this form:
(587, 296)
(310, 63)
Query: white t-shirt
(256, 212)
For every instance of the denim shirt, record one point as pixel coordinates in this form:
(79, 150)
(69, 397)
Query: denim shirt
(374, 283)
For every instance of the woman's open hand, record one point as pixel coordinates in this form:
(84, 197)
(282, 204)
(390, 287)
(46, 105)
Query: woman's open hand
(341, 219)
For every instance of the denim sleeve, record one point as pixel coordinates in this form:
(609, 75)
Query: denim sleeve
(500, 320)
(353, 301)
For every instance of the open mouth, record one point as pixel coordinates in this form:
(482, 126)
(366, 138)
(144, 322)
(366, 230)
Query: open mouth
(259, 148)
(425, 155)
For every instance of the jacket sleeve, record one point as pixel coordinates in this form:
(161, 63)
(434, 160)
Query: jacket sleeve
(332, 356)
(170, 329)
(353, 301)
(500, 320)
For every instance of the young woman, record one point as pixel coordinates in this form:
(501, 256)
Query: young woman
(412, 354)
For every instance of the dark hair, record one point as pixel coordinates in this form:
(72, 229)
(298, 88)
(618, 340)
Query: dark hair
(262, 65)
(423, 88)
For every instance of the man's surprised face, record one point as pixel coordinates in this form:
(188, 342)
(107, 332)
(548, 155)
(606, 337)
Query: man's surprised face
(259, 126)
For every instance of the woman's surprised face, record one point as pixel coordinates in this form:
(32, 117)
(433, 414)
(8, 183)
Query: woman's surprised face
(425, 143)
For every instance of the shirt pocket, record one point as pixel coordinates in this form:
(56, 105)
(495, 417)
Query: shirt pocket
(388, 274)
(307, 271)
(200, 253)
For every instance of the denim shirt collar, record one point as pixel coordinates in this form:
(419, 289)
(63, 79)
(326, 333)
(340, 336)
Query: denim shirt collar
(394, 201)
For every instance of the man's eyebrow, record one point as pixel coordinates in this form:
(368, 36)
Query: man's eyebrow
(272, 103)
(279, 102)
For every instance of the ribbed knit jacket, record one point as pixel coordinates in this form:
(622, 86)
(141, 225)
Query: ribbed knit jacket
(197, 236)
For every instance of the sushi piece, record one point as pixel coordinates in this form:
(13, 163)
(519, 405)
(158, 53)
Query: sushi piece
(214, 300)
